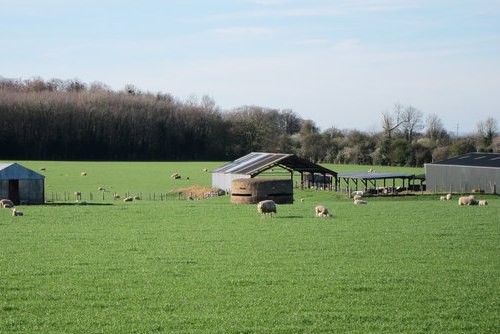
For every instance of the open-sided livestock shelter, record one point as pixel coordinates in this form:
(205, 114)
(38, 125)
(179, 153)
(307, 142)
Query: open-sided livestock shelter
(464, 173)
(253, 164)
(21, 185)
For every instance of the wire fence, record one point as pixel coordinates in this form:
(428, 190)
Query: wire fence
(109, 197)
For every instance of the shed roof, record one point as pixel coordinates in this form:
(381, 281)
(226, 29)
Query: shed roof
(14, 171)
(375, 176)
(473, 159)
(256, 162)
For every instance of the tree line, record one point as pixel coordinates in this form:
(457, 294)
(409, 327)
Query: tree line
(72, 120)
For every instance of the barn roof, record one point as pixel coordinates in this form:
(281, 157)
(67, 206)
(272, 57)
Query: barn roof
(375, 176)
(474, 159)
(14, 171)
(256, 162)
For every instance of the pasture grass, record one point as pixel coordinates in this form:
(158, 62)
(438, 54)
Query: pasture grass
(397, 265)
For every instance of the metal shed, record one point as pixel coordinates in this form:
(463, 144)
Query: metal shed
(254, 163)
(21, 185)
(460, 174)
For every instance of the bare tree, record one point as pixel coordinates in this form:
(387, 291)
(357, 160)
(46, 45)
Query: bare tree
(391, 122)
(412, 122)
(486, 131)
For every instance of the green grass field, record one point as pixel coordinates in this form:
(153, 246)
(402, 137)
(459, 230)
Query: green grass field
(397, 265)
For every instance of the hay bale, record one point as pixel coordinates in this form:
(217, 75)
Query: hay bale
(252, 191)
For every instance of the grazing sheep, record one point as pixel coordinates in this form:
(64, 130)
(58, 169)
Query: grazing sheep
(360, 201)
(468, 200)
(175, 176)
(267, 207)
(128, 199)
(448, 197)
(442, 198)
(16, 213)
(321, 211)
(205, 170)
(302, 200)
(83, 174)
(6, 203)
(483, 202)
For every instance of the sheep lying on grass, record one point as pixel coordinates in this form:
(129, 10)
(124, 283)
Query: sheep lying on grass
(360, 201)
(321, 211)
(266, 207)
(445, 198)
(16, 213)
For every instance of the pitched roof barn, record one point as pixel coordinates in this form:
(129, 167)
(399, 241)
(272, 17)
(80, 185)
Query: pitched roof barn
(21, 185)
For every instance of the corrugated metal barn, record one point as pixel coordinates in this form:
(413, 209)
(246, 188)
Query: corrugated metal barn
(255, 163)
(21, 185)
(461, 174)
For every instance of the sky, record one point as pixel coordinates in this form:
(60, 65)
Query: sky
(340, 63)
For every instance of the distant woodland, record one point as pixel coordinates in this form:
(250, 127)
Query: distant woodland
(72, 120)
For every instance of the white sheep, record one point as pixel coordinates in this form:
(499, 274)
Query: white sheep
(468, 200)
(128, 199)
(16, 213)
(266, 207)
(442, 198)
(483, 202)
(321, 211)
(448, 197)
(360, 201)
(83, 173)
(358, 192)
(6, 203)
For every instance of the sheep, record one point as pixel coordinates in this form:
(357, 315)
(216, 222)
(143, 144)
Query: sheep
(357, 197)
(128, 199)
(468, 200)
(448, 197)
(360, 201)
(175, 176)
(83, 173)
(321, 211)
(6, 203)
(302, 200)
(442, 198)
(205, 170)
(483, 202)
(266, 207)
(16, 213)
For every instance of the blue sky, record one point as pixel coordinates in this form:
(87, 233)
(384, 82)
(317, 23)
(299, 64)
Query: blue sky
(339, 63)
